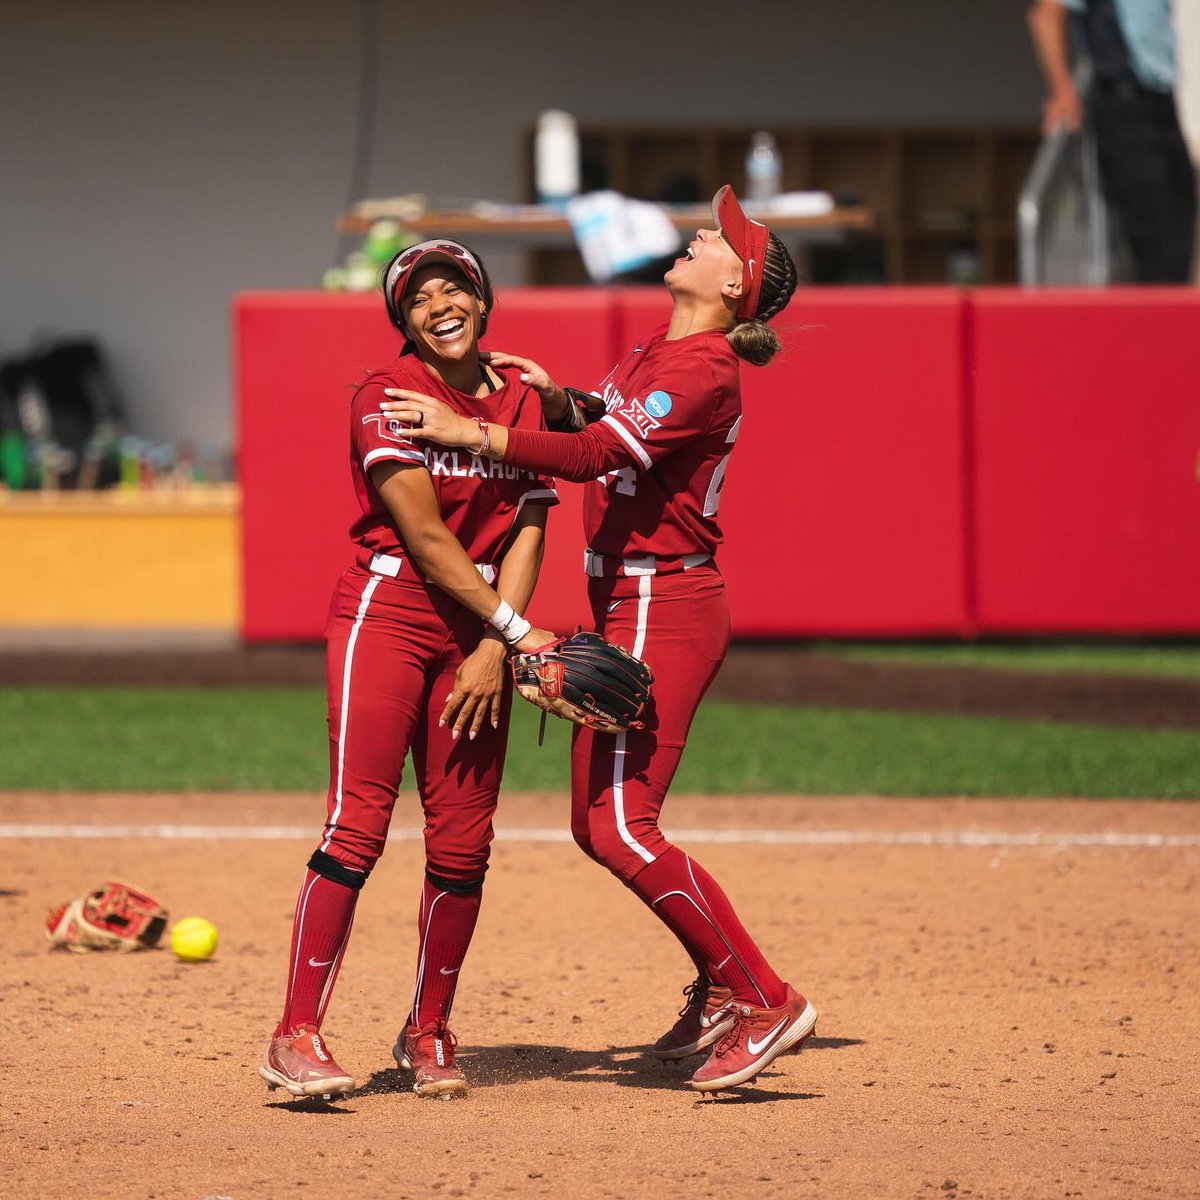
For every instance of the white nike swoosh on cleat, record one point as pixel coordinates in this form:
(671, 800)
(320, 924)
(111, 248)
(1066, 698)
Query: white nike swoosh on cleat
(312, 962)
(756, 1047)
(452, 971)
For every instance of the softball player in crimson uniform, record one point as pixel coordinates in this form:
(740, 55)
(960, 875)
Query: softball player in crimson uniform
(448, 548)
(656, 447)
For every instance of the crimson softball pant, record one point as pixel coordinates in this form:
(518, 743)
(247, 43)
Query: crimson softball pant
(393, 647)
(679, 624)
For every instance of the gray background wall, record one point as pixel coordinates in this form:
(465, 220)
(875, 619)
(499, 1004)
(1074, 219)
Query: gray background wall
(158, 157)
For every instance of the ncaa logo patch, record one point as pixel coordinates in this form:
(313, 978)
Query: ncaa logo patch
(658, 404)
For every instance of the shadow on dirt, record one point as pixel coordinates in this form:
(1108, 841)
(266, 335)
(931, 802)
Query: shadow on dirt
(625, 1066)
(313, 1104)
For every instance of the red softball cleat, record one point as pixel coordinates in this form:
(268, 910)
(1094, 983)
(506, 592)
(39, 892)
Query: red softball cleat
(301, 1064)
(702, 1020)
(429, 1053)
(757, 1037)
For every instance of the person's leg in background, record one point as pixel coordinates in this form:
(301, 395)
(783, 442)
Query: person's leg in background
(1182, 175)
(1148, 179)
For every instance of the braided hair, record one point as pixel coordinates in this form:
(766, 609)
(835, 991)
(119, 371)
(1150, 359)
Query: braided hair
(753, 339)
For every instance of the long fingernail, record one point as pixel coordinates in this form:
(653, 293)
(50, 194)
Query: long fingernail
(454, 736)
(472, 735)
(441, 724)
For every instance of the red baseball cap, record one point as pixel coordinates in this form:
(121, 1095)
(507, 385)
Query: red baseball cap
(437, 250)
(748, 240)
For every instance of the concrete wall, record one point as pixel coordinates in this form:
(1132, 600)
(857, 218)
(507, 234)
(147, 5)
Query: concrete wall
(159, 157)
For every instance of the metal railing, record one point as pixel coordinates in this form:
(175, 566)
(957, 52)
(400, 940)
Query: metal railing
(1065, 232)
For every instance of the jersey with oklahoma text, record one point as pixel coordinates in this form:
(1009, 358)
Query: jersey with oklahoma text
(478, 499)
(675, 408)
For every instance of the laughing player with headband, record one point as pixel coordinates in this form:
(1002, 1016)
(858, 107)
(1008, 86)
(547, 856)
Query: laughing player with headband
(654, 443)
(448, 548)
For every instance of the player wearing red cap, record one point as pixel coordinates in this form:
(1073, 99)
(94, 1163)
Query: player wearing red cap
(417, 638)
(655, 442)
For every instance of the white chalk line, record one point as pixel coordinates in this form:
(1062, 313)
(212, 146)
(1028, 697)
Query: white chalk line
(754, 837)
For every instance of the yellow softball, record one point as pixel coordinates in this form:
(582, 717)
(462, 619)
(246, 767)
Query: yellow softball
(193, 939)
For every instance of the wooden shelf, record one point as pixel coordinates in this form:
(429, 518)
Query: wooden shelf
(913, 181)
(536, 225)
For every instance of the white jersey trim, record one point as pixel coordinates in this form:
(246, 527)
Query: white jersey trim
(386, 452)
(347, 666)
(644, 583)
(537, 494)
(628, 439)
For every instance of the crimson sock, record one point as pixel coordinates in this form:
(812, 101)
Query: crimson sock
(694, 908)
(445, 925)
(320, 931)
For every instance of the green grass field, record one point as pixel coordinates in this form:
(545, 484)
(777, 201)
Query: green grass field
(171, 739)
(1180, 660)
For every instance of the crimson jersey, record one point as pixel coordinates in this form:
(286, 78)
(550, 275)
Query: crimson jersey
(674, 409)
(478, 499)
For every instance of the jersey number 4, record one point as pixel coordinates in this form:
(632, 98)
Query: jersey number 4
(625, 480)
(712, 498)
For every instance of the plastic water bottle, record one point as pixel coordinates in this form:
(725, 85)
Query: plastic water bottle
(556, 158)
(763, 169)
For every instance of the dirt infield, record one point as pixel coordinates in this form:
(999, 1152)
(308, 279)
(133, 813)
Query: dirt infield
(1007, 995)
(773, 673)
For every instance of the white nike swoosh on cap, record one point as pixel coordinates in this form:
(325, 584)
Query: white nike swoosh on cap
(754, 1047)
(750, 264)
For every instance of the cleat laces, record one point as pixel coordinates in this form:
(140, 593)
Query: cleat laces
(741, 1015)
(695, 994)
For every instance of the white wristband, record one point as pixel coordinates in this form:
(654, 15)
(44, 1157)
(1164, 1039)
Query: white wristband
(509, 624)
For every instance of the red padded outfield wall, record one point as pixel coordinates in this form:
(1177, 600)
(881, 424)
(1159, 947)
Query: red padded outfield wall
(843, 503)
(918, 461)
(1086, 409)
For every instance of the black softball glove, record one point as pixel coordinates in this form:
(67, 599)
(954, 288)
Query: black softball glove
(587, 680)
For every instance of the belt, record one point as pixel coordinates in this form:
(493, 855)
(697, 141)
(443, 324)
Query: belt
(607, 566)
(390, 565)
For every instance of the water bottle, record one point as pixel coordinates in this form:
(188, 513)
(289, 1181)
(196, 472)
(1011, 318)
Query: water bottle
(763, 169)
(556, 158)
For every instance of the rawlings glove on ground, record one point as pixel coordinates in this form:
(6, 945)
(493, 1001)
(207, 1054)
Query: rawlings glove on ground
(116, 916)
